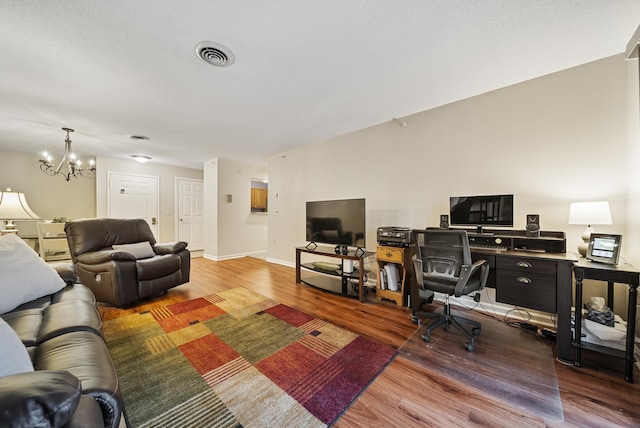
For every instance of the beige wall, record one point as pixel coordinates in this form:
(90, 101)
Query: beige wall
(235, 231)
(49, 197)
(167, 196)
(631, 242)
(85, 198)
(549, 141)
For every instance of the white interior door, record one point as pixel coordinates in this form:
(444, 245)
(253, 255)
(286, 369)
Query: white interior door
(134, 196)
(190, 218)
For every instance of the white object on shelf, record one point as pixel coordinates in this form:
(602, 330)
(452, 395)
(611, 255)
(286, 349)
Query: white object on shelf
(618, 333)
(382, 277)
(393, 276)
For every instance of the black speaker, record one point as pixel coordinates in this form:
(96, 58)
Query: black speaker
(444, 221)
(533, 225)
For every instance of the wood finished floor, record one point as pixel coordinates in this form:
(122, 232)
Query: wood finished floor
(405, 394)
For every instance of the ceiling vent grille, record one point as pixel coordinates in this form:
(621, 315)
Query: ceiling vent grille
(215, 54)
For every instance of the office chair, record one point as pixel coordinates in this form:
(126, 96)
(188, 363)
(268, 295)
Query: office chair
(443, 264)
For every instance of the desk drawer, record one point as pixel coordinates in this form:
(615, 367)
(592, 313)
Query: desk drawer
(526, 265)
(534, 291)
(390, 254)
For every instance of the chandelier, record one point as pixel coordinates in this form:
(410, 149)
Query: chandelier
(73, 164)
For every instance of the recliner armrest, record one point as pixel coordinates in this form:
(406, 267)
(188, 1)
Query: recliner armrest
(97, 257)
(67, 272)
(169, 247)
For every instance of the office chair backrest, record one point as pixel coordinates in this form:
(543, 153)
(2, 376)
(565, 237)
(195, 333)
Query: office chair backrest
(442, 252)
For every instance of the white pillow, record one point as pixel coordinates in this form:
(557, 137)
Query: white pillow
(24, 276)
(140, 250)
(14, 357)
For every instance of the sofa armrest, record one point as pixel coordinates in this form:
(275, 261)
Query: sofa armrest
(169, 247)
(98, 257)
(67, 272)
(40, 398)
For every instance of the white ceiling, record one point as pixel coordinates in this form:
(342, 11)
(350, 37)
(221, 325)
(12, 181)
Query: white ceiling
(305, 70)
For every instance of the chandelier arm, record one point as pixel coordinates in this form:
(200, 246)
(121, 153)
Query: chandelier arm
(47, 168)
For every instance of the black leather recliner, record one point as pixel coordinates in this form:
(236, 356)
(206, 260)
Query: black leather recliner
(122, 276)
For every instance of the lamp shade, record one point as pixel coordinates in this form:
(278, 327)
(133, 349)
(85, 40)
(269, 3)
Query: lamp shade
(589, 213)
(13, 206)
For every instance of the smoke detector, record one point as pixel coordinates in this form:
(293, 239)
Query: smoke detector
(215, 54)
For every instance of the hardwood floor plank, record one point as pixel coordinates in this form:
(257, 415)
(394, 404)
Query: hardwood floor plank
(405, 393)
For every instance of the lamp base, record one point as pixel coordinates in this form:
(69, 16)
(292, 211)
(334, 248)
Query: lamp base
(586, 236)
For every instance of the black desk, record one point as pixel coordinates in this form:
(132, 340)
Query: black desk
(535, 280)
(584, 269)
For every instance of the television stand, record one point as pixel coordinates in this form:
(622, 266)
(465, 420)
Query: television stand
(334, 280)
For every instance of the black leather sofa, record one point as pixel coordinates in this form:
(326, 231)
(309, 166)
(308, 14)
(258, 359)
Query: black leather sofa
(109, 259)
(74, 382)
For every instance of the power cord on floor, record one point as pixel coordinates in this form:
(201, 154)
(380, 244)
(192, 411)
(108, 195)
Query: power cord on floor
(522, 323)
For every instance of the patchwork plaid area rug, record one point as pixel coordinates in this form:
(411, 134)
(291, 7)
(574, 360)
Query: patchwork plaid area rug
(235, 359)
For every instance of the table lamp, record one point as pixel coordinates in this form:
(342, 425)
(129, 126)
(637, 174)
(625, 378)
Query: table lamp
(13, 206)
(589, 213)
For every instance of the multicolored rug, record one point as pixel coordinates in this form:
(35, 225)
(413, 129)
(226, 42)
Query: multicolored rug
(237, 358)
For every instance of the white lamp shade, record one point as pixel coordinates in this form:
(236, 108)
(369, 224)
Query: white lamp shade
(13, 206)
(590, 213)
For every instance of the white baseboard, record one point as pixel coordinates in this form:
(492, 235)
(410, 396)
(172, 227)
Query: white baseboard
(281, 262)
(256, 254)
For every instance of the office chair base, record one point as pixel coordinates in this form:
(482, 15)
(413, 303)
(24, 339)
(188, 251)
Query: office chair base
(447, 320)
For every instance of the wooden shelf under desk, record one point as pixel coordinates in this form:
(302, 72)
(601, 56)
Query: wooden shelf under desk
(401, 258)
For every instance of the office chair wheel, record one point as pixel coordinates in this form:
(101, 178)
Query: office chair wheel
(415, 319)
(469, 346)
(475, 331)
(426, 338)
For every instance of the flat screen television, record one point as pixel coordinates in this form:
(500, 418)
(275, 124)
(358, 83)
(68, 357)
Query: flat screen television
(480, 211)
(337, 222)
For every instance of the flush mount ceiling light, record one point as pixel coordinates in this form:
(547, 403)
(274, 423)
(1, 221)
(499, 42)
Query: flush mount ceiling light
(141, 158)
(215, 54)
(73, 164)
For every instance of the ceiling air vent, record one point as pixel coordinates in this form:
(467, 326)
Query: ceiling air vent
(215, 54)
